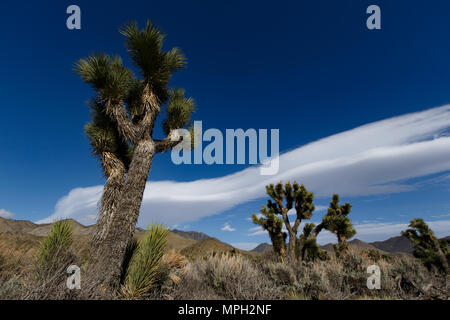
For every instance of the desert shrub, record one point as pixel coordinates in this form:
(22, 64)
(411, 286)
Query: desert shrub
(143, 269)
(375, 255)
(11, 289)
(2, 263)
(339, 278)
(308, 280)
(403, 278)
(224, 277)
(172, 268)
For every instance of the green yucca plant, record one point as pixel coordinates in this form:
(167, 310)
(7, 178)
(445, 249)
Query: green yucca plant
(142, 271)
(54, 250)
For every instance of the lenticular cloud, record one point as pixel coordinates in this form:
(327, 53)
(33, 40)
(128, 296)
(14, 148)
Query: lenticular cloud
(376, 158)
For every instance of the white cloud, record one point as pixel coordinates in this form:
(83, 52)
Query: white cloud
(372, 159)
(441, 215)
(257, 231)
(227, 227)
(6, 214)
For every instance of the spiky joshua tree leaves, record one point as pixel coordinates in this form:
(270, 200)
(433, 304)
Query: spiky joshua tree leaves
(124, 111)
(337, 221)
(307, 247)
(287, 197)
(274, 225)
(143, 267)
(433, 252)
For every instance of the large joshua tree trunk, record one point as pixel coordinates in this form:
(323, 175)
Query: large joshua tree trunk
(107, 256)
(292, 244)
(292, 231)
(115, 172)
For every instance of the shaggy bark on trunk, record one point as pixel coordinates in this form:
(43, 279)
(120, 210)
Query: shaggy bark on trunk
(115, 172)
(292, 231)
(107, 256)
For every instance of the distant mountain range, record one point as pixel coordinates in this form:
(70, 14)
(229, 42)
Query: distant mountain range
(192, 242)
(392, 245)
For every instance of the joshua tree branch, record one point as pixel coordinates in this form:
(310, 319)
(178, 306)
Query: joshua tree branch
(318, 228)
(296, 224)
(125, 126)
(169, 142)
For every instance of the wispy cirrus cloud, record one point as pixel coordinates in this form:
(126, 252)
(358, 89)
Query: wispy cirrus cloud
(376, 158)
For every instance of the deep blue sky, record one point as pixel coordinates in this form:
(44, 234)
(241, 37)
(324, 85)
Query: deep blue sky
(310, 68)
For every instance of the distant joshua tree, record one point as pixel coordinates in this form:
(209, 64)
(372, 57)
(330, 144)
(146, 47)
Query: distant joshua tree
(285, 198)
(337, 221)
(124, 112)
(434, 253)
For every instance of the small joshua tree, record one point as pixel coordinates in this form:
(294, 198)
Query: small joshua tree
(274, 226)
(307, 247)
(432, 252)
(289, 197)
(337, 221)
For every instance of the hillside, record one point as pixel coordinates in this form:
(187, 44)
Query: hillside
(394, 244)
(199, 236)
(16, 226)
(20, 237)
(205, 247)
(262, 247)
(174, 241)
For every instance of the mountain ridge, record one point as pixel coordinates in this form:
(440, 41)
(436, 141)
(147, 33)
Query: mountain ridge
(185, 239)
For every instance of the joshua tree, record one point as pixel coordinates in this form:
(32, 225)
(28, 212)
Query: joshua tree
(307, 247)
(336, 221)
(274, 226)
(130, 105)
(427, 247)
(286, 198)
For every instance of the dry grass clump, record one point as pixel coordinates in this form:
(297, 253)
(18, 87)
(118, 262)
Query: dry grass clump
(224, 276)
